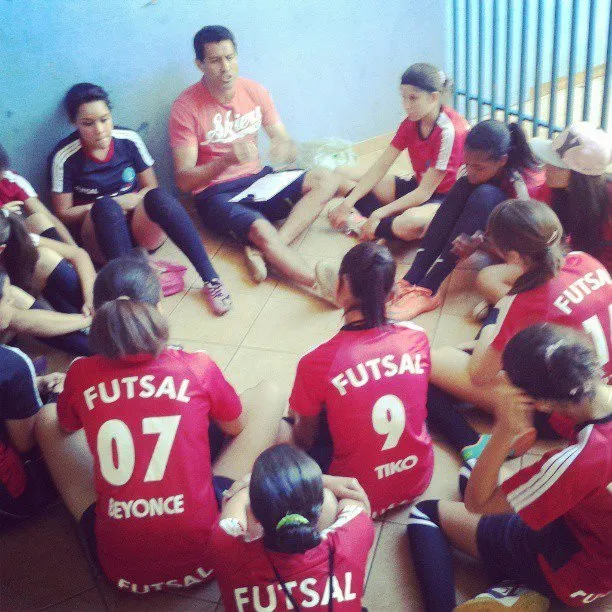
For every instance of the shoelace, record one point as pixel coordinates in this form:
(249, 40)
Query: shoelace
(216, 289)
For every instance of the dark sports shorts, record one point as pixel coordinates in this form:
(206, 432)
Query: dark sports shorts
(507, 549)
(369, 203)
(235, 218)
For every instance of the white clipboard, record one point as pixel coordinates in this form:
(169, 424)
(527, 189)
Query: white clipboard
(268, 186)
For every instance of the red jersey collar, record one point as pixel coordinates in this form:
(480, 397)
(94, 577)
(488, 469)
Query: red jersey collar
(109, 155)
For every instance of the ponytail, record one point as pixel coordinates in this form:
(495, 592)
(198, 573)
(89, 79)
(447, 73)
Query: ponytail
(20, 255)
(286, 495)
(586, 210)
(127, 320)
(520, 155)
(4, 159)
(534, 231)
(370, 271)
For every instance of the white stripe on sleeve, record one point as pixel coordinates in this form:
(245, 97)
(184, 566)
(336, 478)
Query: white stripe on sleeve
(448, 140)
(57, 166)
(137, 140)
(20, 182)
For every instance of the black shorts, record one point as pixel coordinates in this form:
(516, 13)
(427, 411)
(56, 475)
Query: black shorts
(508, 552)
(369, 203)
(235, 218)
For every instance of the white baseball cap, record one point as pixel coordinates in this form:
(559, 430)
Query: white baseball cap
(580, 147)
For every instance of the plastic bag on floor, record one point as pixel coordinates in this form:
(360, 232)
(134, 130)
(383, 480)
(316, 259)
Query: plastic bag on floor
(327, 153)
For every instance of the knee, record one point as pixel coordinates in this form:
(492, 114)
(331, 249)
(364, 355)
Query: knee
(408, 226)
(423, 513)
(262, 234)
(106, 209)
(485, 197)
(324, 180)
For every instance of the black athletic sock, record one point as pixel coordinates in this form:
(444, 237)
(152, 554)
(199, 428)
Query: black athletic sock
(368, 204)
(111, 228)
(464, 475)
(444, 417)
(383, 229)
(170, 215)
(52, 233)
(431, 557)
(63, 289)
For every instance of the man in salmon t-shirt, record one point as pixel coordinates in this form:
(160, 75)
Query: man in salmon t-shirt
(213, 133)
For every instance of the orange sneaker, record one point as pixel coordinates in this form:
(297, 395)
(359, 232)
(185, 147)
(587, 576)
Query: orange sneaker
(410, 301)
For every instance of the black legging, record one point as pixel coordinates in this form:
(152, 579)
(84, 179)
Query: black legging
(63, 289)
(464, 210)
(114, 238)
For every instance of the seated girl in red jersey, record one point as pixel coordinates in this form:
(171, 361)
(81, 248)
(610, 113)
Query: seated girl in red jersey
(499, 165)
(574, 291)
(148, 498)
(359, 398)
(432, 136)
(292, 539)
(104, 187)
(545, 531)
(576, 187)
(18, 196)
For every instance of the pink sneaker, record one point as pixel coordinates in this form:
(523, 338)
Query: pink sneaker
(164, 265)
(411, 302)
(217, 296)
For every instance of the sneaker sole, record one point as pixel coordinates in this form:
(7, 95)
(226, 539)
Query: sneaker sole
(530, 602)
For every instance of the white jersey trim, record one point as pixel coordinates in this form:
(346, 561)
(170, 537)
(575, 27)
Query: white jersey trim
(409, 325)
(18, 180)
(549, 473)
(348, 514)
(137, 140)
(30, 368)
(57, 166)
(448, 140)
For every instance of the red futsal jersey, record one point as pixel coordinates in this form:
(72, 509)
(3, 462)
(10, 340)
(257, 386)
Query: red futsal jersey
(146, 422)
(442, 149)
(245, 569)
(580, 296)
(13, 187)
(373, 384)
(566, 499)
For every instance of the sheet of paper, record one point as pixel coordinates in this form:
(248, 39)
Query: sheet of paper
(268, 186)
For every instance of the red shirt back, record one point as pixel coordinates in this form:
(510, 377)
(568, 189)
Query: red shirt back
(373, 383)
(566, 498)
(146, 422)
(248, 582)
(580, 296)
(442, 149)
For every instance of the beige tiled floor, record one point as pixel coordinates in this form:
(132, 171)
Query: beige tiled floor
(42, 564)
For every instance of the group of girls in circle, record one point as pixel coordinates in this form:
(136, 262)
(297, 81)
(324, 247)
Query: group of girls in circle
(176, 480)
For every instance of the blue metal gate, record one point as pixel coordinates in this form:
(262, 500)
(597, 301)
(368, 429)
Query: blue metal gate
(532, 59)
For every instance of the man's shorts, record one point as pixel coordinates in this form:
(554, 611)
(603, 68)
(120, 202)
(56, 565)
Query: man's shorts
(369, 203)
(508, 552)
(235, 218)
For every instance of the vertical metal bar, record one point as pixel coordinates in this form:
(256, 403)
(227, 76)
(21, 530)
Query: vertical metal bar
(607, 78)
(508, 84)
(554, 69)
(468, 58)
(481, 28)
(569, 110)
(524, 39)
(494, 60)
(538, 68)
(588, 73)
(455, 51)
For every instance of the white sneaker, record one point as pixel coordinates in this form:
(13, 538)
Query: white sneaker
(327, 282)
(506, 595)
(256, 264)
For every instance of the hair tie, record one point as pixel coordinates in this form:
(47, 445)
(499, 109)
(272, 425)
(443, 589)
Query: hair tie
(292, 519)
(5, 212)
(552, 238)
(123, 297)
(551, 349)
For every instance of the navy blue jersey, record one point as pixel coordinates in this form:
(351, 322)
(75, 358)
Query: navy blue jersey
(72, 170)
(19, 398)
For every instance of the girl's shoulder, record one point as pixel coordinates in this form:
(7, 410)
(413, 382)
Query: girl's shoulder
(67, 146)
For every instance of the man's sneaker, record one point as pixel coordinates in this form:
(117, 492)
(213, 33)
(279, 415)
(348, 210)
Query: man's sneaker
(217, 296)
(481, 311)
(256, 264)
(506, 596)
(327, 282)
(411, 301)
